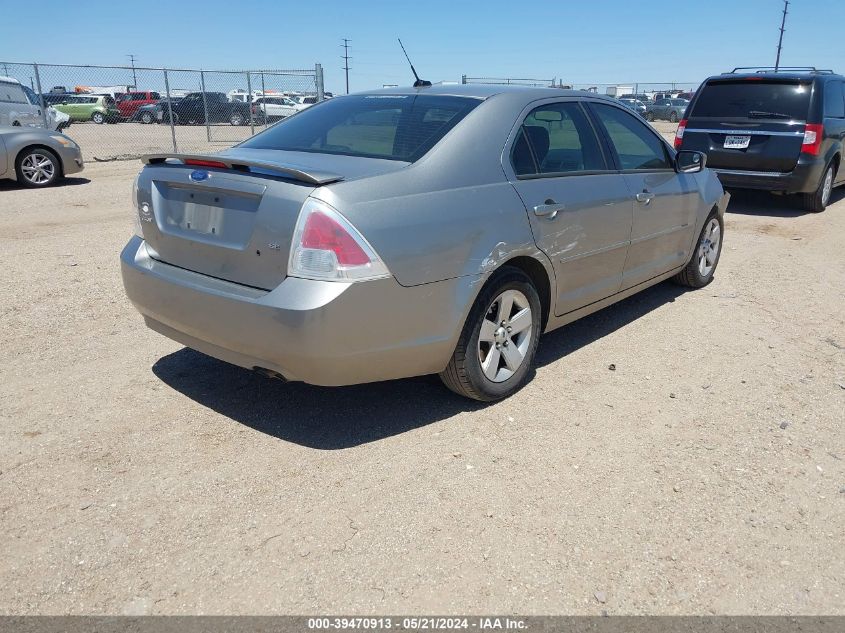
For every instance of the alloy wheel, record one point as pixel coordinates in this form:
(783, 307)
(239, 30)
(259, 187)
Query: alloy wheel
(38, 169)
(708, 247)
(505, 336)
(827, 187)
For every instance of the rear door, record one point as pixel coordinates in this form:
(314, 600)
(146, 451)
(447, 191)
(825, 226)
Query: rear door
(579, 207)
(834, 116)
(666, 202)
(749, 124)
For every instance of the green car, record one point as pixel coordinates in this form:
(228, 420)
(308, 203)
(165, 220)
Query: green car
(79, 107)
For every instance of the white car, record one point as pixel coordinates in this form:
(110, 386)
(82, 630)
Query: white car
(274, 108)
(15, 107)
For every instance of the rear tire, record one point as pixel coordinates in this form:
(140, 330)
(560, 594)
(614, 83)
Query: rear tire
(817, 201)
(98, 118)
(701, 267)
(496, 349)
(649, 116)
(673, 117)
(237, 118)
(146, 117)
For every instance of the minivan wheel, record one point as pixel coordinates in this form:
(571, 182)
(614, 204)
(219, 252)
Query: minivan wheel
(817, 201)
(98, 118)
(701, 267)
(38, 167)
(495, 351)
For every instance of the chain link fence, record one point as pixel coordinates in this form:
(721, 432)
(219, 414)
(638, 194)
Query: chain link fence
(122, 112)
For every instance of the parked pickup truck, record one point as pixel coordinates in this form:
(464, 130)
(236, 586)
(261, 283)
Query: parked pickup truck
(129, 102)
(193, 109)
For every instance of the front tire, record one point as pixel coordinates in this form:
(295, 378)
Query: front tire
(496, 349)
(649, 116)
(37, 168)
(817, 201)
(146, 117)
(702, 265)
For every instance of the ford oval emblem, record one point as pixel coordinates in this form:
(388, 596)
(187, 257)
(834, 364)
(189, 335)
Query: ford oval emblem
(198, 175)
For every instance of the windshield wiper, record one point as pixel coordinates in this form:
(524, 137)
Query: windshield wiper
(762, 114)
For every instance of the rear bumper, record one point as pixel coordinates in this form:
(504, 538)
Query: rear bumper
(323, 333)
(804, 178)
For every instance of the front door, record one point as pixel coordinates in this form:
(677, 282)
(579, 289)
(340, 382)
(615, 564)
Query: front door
(580, 209)
(665, 201)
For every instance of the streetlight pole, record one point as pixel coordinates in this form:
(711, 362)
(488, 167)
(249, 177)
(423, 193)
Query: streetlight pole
(782, 29)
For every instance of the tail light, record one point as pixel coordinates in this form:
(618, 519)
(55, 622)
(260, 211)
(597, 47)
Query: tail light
(679, 133)
(196, 162)
(813, 135)
(327, 247)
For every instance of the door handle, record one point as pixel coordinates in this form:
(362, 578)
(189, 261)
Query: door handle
(549, 209)
(645, 197)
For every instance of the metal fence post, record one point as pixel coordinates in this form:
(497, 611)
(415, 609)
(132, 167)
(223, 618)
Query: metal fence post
(205, 106)
(263, 94)
(41, 97)
(463, 79)
(318, 79)
(249, 102)
(170, 111)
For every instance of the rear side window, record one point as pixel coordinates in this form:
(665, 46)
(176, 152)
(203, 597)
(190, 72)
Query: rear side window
(834, 100)
(395, 127)
(637, 147)
(12, 93)
(753, 99)
(554, 139)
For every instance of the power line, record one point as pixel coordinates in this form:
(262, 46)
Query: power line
(345, 57)
(782, 29)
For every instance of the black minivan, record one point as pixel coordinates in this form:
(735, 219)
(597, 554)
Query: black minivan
(777, 131)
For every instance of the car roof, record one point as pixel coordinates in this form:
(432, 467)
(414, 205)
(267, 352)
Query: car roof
(484, 91)
(788, 76)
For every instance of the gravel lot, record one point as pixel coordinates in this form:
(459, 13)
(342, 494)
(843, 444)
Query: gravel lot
(705, 474)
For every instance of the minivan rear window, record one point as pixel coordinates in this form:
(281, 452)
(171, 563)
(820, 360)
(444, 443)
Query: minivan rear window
(395, 127)
(753, 99)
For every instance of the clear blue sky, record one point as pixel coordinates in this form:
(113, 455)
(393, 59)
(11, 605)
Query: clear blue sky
(603, 41)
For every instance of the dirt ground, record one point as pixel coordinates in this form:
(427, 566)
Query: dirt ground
(705, 474)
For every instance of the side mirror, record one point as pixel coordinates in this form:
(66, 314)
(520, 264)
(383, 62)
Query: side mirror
(690, 162)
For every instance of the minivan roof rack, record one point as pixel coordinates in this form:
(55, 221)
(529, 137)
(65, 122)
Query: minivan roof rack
(781, 69)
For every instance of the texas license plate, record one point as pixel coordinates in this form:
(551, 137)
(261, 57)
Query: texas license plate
(737, 142)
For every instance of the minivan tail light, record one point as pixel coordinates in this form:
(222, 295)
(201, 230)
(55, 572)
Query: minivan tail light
(327, 247)
(679, 133)
(813, 134)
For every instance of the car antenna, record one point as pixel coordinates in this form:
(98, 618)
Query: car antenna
(419, 83)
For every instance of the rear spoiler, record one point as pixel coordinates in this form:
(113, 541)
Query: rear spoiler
(244, 164)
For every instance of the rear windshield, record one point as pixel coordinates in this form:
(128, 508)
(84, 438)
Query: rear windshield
(395, 127)
(754, 99)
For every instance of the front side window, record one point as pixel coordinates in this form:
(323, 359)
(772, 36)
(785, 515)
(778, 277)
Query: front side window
(395, 127)
(635, 144)
(556, 138)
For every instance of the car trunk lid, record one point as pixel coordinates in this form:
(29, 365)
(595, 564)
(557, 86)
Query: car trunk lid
(232, 215)
(749, 124)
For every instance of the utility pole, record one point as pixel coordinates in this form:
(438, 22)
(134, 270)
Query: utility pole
(345, 57)
(782, 29)
(134, 79)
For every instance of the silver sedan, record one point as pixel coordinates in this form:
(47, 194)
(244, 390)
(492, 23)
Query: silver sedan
(36, 157)
(414, 231)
